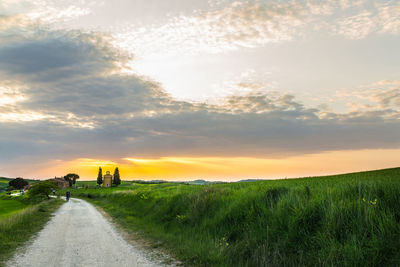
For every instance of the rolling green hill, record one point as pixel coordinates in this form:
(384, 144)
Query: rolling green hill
(4, 183)
(340, 220)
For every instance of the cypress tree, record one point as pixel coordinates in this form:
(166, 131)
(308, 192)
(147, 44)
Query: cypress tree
(117, 179)
(100, 177)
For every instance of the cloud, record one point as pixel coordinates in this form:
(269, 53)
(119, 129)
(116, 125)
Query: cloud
(250, 24)
(378, 96)
(384, 18)
(45, 11)
(389, 98)
(358, 26)
(75, 76)
(54, 56)
(238, 25)
(64, 96)
(386, 94)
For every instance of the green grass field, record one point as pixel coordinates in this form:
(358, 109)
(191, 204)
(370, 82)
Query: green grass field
(341, 220)
(19, 220)
(10, 206)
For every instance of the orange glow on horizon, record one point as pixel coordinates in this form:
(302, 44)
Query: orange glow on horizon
(222, 168)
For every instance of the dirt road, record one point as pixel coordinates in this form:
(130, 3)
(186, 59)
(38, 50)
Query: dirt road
(78, 235)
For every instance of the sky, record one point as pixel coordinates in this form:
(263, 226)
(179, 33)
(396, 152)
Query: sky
(188, 89)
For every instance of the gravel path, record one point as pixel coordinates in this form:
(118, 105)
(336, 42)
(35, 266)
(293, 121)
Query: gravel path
(78, 235)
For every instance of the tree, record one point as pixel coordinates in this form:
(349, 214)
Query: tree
(18, 183)
(71, 178)
(42, 189)
(100, 176)
(117, 179)
(10, 188)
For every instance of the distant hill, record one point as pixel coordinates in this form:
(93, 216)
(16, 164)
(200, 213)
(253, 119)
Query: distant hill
(198, 182)
(149, 182)
(203, 182)
(250, 180)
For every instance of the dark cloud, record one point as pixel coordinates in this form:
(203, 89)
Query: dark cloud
(58, 56)
(274, 134)
(97, 96)
(92, 111)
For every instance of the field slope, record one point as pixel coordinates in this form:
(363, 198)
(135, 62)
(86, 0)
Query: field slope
(9, 207)
(341, 220)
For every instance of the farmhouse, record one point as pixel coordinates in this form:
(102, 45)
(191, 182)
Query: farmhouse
(27, 187)
(107, 179)
(61, 182)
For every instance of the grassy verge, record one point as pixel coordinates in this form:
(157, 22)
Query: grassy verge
(18, 227)
(342, 220)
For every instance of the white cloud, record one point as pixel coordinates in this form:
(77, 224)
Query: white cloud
(9, 96)
(241, 24)
(21, 117)
(254, 24)
(43, 11)
(381, 96)
(389, 18)
(358, 26)
(383, 19)
(50, 14)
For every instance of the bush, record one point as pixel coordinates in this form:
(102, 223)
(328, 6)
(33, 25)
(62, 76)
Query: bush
(42, 189)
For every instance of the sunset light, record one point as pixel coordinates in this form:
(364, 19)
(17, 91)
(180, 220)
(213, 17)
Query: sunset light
(220, 90)
(199, 133)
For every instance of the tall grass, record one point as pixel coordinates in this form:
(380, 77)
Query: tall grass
(342, 220)
(17, 228)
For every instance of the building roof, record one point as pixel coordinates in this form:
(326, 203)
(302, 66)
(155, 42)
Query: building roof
(62, 180)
